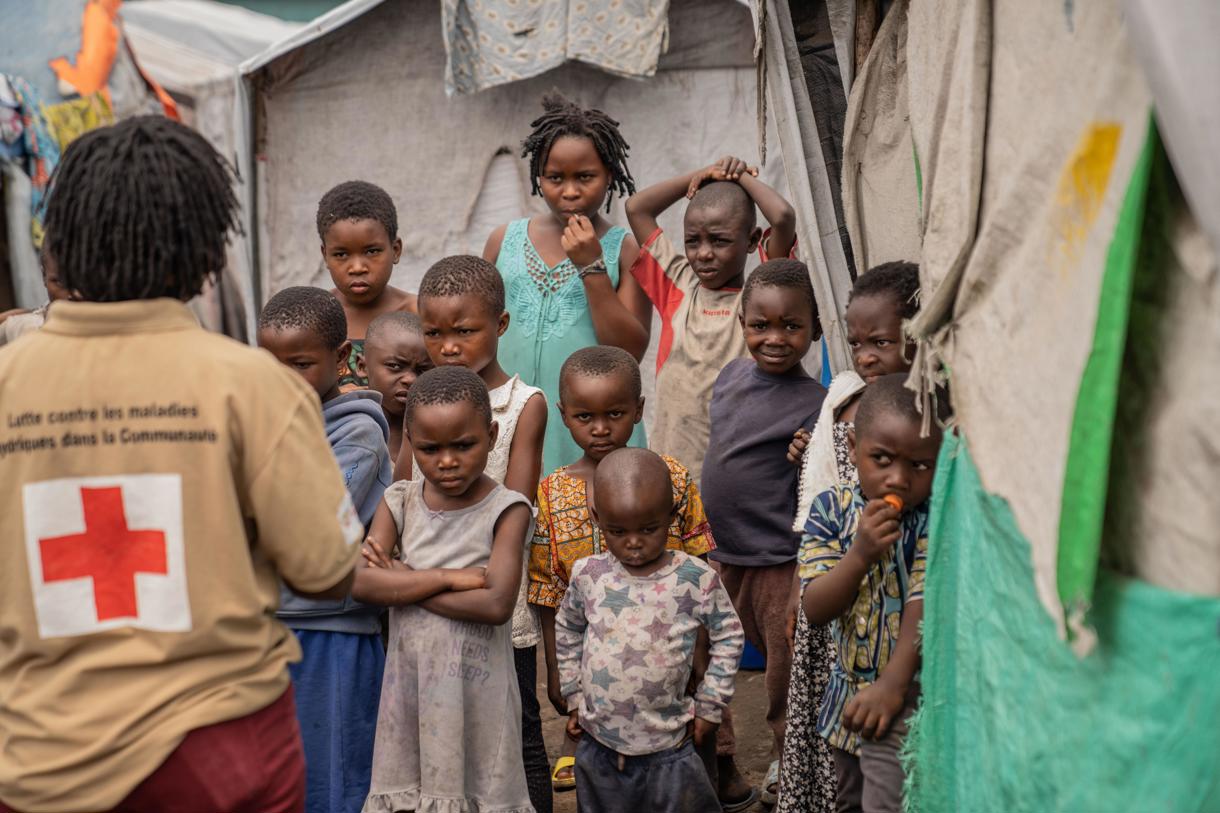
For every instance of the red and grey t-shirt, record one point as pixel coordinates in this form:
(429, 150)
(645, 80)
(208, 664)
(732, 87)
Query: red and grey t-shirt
(699, 336)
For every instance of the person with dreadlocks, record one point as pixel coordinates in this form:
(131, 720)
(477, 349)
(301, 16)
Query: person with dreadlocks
(142, 666)
(566, 274)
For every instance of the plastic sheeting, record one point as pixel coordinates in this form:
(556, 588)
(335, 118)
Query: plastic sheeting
(1011, 720)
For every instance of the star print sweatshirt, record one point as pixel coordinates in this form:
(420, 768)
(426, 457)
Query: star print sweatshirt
(626, 645)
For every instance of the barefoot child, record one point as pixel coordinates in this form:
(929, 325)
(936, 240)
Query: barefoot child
(600, 402)
(461, 302)
(863, 560)
(338, 680)
(748, 487)
(626, 633)
(566, 272)
(882, 298)
(697, 293)
(448, 729)
(358, 226)
(394, 356)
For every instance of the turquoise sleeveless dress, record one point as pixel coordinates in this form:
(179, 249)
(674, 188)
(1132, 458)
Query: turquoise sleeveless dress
(548, 321)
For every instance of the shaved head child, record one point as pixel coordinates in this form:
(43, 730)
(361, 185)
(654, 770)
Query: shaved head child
(625, 635)
(696, 288)
(862, 565)
(394, 356)
(601, 403)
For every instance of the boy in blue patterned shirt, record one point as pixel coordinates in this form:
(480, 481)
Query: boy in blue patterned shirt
(625, 639)
(862, 566)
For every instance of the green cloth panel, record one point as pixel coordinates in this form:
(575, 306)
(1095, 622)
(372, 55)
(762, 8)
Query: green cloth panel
(1086, 475)
(1011, 720)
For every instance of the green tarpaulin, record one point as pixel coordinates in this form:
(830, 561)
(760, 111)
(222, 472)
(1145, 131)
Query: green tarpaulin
(1012, 720)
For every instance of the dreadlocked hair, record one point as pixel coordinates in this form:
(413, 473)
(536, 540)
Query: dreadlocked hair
(447, 385)
(602, 361)
(357, 200)
(138, 210)
(898, 280)
(464, 275)
(784, 273)
(565, 118)
(303, 307)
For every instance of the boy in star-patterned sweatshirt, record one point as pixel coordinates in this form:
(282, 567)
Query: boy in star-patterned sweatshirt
(625, 639)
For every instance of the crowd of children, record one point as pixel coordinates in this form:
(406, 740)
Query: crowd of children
(489, 430)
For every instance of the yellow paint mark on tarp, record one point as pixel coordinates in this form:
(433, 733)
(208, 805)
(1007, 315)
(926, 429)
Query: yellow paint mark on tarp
(1082, 187)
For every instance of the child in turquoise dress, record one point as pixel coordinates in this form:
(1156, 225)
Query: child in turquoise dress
(567, 273)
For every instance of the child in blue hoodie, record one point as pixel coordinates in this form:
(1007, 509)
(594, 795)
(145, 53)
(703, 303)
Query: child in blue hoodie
(338, 681)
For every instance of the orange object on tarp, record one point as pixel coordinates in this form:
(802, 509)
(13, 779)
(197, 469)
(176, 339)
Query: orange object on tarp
(100, 41)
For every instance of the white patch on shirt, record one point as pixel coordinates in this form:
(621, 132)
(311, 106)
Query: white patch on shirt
(107, 552)
(349, 521)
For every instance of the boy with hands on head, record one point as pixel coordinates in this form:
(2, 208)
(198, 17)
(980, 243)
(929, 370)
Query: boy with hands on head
(625, 635)
(697, 290)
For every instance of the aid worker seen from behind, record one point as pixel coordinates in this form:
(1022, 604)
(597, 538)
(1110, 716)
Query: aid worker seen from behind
(156, 483)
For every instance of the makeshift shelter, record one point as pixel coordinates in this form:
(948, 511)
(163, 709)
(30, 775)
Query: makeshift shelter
(360, 94)
(65, 68)
(193, 49)
(1046, 164)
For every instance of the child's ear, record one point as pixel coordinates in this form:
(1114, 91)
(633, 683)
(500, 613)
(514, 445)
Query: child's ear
(639, 410)
(563, 416)
(396, 247)
(361, 368)
(341, 356)
(593, 515)
(494, 432)
(755, 239)
(503, 324)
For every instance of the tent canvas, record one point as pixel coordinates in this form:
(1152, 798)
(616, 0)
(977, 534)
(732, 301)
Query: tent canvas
(359, 94)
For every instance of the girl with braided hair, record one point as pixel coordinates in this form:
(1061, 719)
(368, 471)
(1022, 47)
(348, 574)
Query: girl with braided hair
(566, 273)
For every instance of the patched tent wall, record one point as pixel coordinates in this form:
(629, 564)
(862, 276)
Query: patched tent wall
(366, 100)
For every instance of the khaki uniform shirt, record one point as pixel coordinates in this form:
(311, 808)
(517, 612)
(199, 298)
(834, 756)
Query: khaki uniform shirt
(155, 481)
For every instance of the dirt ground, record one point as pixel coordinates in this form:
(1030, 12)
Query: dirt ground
(749, 709)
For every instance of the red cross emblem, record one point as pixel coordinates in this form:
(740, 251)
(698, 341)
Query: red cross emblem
(108, 552)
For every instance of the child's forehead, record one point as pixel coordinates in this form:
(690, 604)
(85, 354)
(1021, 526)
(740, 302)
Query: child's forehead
(570, 147)
(777, 297)
(356, 228)
(466, 304)
(394, 339)
(612, 385)
(292, 337)
(640, 494)
(442, 418)
(891, 426)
